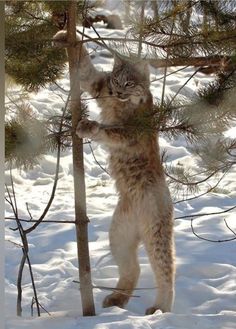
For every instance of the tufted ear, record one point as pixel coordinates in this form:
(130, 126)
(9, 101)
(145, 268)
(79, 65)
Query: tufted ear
(142, 67)
(117, 60)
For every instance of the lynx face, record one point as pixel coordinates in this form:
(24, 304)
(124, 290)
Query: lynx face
(129, 81)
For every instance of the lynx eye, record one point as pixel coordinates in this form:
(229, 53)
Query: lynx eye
(129, 84)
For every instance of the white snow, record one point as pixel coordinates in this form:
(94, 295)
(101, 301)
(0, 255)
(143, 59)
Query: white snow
(206, 272)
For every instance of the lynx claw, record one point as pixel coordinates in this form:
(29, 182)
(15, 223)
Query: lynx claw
(87, 128)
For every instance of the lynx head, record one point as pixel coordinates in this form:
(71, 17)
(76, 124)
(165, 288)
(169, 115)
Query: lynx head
(130, 80)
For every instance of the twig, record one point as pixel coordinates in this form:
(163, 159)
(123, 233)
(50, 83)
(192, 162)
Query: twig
(107, 288)
(101, 258)
(28, 210)
(15, 243)
(186, 82)
(102, 40)
(36, 17)
(61, 88)
(99, 41)
(56, 174)
(202, 194)
(23, 233)
(19, 286)
(90, 146)
(32, 305)
(25, 250)
(207, 214)
(120, 290)
(33, 283)
(211, 240)
(162, 77)
(229, 227)
(197, 182)
(97, 97)
(45, 221)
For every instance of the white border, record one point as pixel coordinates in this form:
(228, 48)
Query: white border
(2, 155)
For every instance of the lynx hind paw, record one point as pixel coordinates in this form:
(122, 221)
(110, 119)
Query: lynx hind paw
(60, 39)
(115, 299)
(152, 310)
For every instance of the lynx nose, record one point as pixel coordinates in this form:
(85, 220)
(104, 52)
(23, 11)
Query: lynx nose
(121, 95)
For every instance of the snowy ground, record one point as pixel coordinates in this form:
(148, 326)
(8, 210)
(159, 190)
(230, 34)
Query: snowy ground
(206, 272)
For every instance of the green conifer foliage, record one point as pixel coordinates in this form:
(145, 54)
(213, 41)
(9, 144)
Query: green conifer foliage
(192, 29)
(30, 58)
(26, 138)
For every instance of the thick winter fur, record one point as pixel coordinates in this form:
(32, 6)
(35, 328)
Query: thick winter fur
(144, 212)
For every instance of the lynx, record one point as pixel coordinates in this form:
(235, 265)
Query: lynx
(144, 212)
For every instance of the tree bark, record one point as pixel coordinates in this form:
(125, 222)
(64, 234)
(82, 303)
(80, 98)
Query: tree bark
(81, 219)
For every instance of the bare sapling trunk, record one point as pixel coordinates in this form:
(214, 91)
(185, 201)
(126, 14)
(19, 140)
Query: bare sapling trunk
(81, 219)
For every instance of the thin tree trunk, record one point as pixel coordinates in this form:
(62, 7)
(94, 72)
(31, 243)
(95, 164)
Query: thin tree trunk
(141, 28)
(127, 11)
(78, 166)
(154, 5)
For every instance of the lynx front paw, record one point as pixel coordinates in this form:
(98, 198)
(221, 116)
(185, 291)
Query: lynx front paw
(87, 128)
(60, 39)
(115, 299)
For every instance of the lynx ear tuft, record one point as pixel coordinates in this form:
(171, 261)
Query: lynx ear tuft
(117, 60)
(142, 67)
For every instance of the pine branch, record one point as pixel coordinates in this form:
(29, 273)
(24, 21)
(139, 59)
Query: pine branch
(44, 221)
(90, 146)
(207, 214)
(55, 178)
(182, 87)
(224, 61)
(210, 189)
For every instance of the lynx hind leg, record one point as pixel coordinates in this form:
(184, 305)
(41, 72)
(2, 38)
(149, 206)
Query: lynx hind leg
(124, 242)
(158, 241)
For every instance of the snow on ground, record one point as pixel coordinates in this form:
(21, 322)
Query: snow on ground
(206, 272)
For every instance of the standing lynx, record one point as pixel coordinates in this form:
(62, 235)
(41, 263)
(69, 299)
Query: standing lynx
(144, 212)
